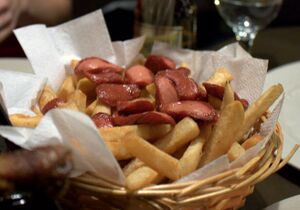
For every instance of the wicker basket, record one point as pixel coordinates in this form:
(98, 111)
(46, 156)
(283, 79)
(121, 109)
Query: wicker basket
(227, 190)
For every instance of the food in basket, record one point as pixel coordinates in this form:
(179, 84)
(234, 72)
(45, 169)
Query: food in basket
(156, 116)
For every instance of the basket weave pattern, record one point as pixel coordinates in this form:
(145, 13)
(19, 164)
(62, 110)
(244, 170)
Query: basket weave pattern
(226, 190)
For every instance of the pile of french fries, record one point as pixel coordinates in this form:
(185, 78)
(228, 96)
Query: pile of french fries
(164, 153)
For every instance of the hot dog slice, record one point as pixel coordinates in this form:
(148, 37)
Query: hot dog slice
(110, 94)
(139, 75)
(198, 110)
(134, 106)
(152, 117)
(94, 63)
(102, 120)
(158, 63)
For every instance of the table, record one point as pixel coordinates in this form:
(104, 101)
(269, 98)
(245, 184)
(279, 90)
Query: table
(280, 46)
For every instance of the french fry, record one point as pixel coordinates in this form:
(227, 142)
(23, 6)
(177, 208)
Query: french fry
(156, 159)
(88, 88)
(151, 89)
(47, 95)
(235, 151)
(228, 96)
(74, 63)
(184, 131)
(113, 136)
(142, 177)
(250, 142)
(66, 89)
(224, 132)
(259, 107)
(21, 120)
(36, 110)
(78, 98)
(89, 110)
(138, 175)
(220, 77)
(100, 107)
(191, 158)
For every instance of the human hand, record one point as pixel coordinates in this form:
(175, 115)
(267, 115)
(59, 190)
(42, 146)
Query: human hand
(10, 11)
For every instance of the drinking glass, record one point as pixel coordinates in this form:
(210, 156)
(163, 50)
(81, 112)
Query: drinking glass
(247, 17)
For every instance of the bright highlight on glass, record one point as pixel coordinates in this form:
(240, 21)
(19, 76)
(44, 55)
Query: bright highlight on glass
(247, 17)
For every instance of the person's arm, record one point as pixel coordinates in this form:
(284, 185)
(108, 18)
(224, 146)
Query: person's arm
(23, 12)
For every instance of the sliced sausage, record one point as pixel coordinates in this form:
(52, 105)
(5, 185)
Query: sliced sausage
(158, 63)
(99, 76)
(165, 92)
(54, 103)
(102, 120)
(110, 94)
(139, 75)
(152, 117)
(94, 63)
(135, 106)
(187, 88)
(198, 110)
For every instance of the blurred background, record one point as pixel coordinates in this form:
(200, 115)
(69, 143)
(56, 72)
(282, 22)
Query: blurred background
(212, 31)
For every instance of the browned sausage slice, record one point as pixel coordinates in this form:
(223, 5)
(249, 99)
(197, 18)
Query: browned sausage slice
(94, 63)
(198, 110)
(159, 63)
(152, 117)
(110, 94)
(135, 106)
(139, 75)
(102, 120)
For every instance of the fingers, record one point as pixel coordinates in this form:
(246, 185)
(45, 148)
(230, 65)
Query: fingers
(6, 30)
(4, 5)
(5, 19)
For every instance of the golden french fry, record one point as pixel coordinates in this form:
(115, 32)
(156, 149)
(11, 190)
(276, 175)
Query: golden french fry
(79, 98)
(214, 101)
(191, 158)
(220, 77)
(224, 132)
(36, 110)
(259, 107)
(113, 136)
(74, 63)
(66, 89)
(87, 87)
(47, 95)
(250, 142)
(100, 107)
(228, 95)
(184, 131)
(151, 89)
(235, 151)
(21, 120)
(142, 177)
(89, 110)
(156, 159)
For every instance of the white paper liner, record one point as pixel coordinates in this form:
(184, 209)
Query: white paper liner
(50, 50)
(20, 90)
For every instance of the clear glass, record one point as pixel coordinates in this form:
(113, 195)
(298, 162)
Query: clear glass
(247, 17)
